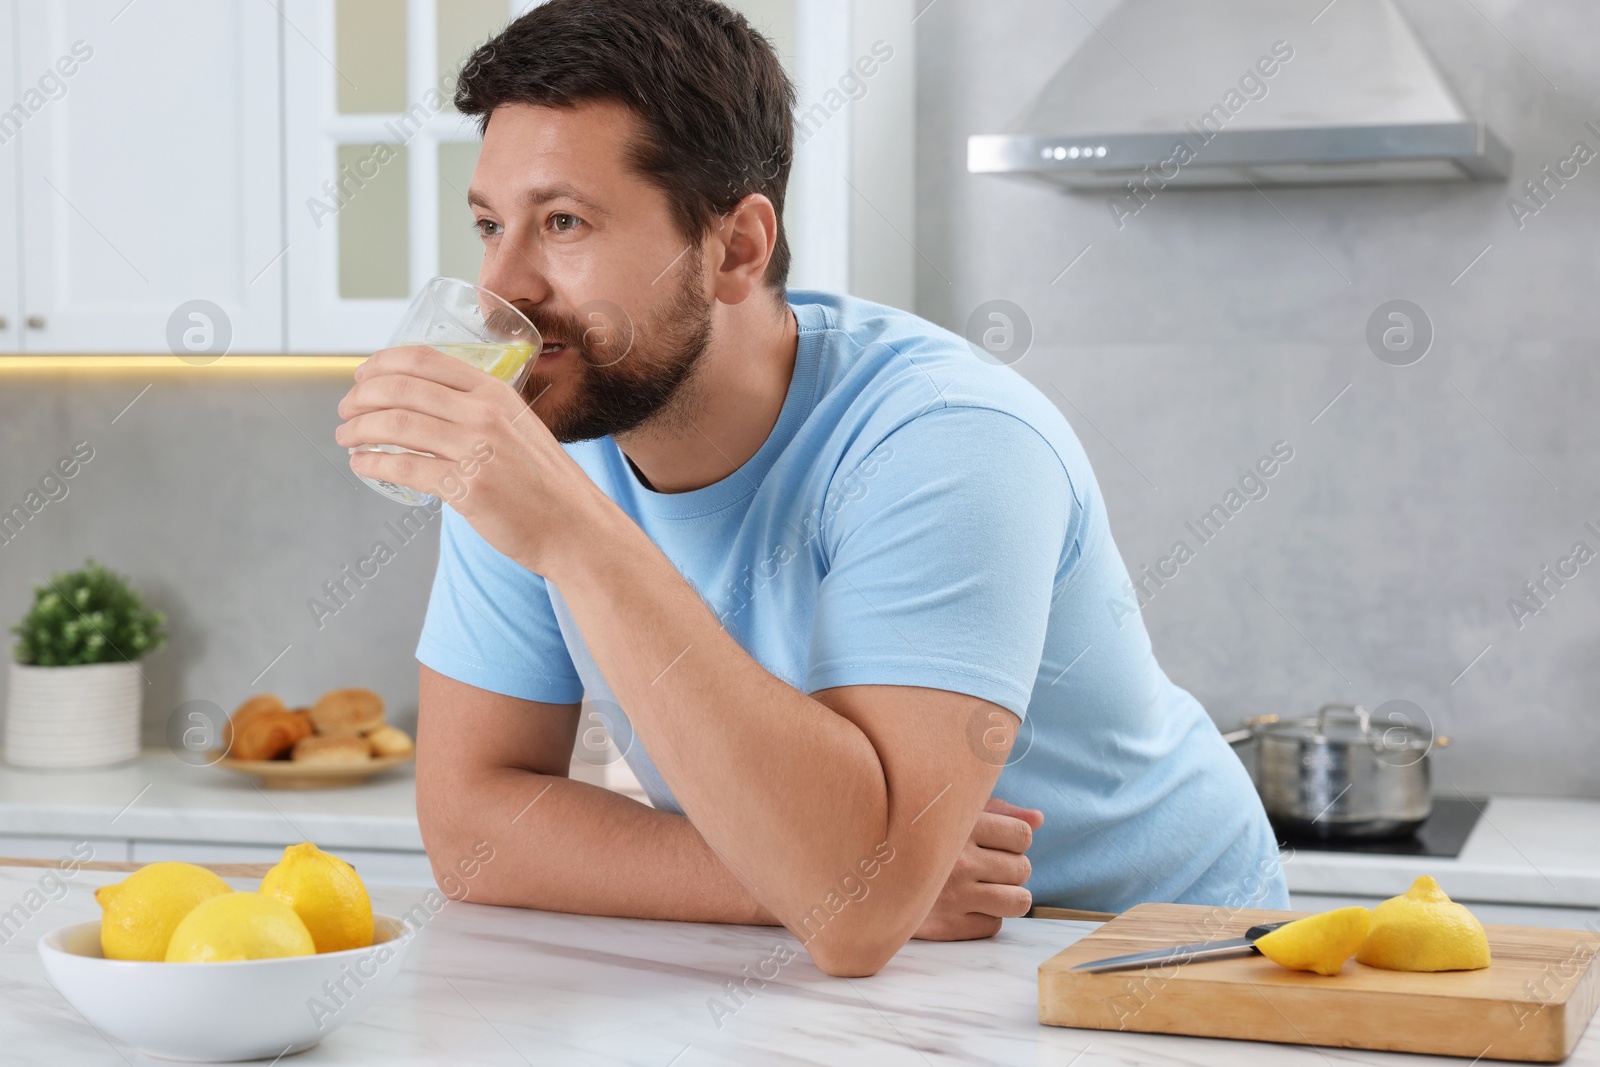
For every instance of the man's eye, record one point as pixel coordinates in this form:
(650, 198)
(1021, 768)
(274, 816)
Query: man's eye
(487, 228)
(561, 222)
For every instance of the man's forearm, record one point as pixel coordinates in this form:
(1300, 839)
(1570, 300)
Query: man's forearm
(562, 845)
(791, 794)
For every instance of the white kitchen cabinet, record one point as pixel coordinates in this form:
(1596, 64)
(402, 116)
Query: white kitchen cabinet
(850, 204)
(376, 160)
(377, 163)
(851, 197)
(10, 160)
(188, 176)
(64, 849)
(375, 866)
(150, 178)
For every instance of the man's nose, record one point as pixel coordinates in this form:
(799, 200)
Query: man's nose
(515, 274)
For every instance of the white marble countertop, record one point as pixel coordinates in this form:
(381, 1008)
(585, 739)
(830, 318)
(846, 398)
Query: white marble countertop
(1523, 850)
(503, 986)
(160, 797)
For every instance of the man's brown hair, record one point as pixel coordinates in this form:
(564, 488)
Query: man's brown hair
(716, 106)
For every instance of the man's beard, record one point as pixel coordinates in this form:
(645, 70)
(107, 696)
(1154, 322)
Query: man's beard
(627, 373)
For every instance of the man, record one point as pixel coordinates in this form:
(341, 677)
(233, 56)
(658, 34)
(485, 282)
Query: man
(814, 560)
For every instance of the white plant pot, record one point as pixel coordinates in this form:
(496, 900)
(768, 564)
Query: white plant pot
(85, 716)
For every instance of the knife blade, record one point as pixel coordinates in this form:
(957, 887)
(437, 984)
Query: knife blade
(1182, 954)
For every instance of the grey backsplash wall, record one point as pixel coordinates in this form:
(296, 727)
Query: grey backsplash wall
(225, 498)
(1214, 324)
(1181, 348)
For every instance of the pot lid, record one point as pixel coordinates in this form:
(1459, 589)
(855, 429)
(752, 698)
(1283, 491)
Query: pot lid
(1350, 724)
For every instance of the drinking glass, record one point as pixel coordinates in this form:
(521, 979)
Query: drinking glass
(475, 326)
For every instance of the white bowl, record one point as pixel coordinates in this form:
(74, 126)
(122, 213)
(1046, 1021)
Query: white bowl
(244, 1010)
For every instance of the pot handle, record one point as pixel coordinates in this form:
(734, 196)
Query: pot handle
(1247, 729)
(1363, 717)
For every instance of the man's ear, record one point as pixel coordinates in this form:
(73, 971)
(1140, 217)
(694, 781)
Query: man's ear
(743, 243)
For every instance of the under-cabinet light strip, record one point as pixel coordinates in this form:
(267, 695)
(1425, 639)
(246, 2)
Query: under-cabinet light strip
(340, 364)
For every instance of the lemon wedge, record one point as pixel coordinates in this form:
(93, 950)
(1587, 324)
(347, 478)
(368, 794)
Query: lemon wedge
(511, 360)
(1424, 930)
(1319, 943)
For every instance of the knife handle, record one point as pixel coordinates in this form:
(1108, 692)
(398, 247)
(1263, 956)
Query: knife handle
(1265, 928)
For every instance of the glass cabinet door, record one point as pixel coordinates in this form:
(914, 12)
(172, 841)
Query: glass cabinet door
(10, 134)
(377, 160)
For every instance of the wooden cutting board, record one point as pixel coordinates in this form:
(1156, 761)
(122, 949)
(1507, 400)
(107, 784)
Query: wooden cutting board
(1531, 1003)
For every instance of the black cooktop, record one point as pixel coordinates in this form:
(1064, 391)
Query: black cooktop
(1443, 834)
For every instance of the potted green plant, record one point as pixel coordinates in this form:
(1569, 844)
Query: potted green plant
(76, 688)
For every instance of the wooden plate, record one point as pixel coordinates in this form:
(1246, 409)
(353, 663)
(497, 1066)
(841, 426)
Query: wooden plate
(287, 774)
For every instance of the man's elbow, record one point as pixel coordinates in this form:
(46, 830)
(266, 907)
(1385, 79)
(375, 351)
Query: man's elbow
(459, 869)
(441, 839)
(856, 949)
(858, 960)
(458, 854)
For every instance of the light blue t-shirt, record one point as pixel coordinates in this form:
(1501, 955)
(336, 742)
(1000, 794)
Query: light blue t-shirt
(917, 517)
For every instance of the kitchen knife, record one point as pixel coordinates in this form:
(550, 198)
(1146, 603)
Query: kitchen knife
(1181, 954)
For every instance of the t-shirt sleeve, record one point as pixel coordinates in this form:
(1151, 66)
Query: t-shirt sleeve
(490, 623)
(943, 558)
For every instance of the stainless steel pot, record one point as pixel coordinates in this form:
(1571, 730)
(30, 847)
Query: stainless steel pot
(1338, 774)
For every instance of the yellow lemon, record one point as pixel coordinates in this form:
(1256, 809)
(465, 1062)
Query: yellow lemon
(239, 926)
(139, 913)
(326, 893)
(1319, 943)
(502, 359)
(511, 361)
(1424, 930)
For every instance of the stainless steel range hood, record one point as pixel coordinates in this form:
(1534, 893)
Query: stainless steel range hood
(1185, 93)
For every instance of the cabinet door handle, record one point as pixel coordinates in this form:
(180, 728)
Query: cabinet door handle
(5, 323)
(35, 322)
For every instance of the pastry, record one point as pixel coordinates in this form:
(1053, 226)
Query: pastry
(259, 702)
(347, 712)
(389, 740)
(255, 705)
(336, 751)
(266, 733)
